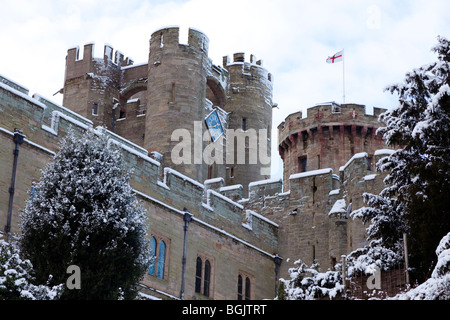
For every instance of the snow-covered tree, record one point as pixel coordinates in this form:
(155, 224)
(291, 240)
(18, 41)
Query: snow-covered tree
(85, 214)
(415, 199)
(384, 218)
(16, 277)
(307, 283)
(437, 287)
(366, 259)
(419, 172)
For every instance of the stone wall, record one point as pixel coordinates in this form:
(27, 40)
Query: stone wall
(178, 86)
(329, 136)
(238, 233)
(235, 240)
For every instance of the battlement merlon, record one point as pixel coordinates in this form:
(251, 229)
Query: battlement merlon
(76, 67)
(169, 37)
(174, 191)
(254, 66)
(356, 169)
(328, 114)
(269, 187)
(239, 57)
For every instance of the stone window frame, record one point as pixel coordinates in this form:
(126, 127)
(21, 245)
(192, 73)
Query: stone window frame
(204, 257)
(251, 279)
(158, 237)
(95, 109)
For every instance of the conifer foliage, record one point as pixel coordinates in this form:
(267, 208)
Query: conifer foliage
(84, 213)
(416, 199)
(17, 280)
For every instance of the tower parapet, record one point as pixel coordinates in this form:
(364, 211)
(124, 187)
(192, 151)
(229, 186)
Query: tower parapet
(175, 90)
(327, 137)
(91, 84)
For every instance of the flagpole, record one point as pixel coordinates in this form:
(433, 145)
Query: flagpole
(343, 76)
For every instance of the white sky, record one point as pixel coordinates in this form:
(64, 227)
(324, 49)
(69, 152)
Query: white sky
(382, 40)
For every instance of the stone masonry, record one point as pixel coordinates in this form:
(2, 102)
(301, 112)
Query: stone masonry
(329, 136)
(177, 87)
(239, 232)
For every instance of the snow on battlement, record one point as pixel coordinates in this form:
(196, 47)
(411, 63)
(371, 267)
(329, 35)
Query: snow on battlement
(117, 57)
(13, 84)
(208, 202)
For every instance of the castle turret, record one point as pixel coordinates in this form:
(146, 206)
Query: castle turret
(250, 107)
(171, 105)
(329, 136)
(176, 97)
(92, 85)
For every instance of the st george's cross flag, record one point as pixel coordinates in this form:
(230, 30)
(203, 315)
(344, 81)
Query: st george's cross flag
(336, 57)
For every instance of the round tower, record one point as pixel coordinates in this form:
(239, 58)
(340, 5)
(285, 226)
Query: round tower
(327, 138)
(176, 97)
(250, 106)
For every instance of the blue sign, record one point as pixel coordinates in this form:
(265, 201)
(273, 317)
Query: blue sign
(214, 125)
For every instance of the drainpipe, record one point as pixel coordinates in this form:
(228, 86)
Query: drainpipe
(277, 259)
(18, 139)
(187, 217)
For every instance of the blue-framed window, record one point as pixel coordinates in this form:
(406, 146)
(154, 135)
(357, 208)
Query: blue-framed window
(161, 259)
(151, 269)
(158, 258)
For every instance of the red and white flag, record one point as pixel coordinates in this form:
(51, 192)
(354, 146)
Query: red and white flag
(336, 57)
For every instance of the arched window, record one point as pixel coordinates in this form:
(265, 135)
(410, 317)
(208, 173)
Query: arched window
(158, 258)
(206, 278)
(247, 288)
(198, 275)
(244, 289)
(161, 259)
(203, 276)
(151, 269)
(239, 287)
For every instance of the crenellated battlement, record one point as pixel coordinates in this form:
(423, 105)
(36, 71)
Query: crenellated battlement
(309, 219)
(78, 68)
(177, 87)
(159, 185)
(328, 136)
(249, 69)
(116, 57)
(317, 186)
(169, 38)
(329, 114)
(239, 58)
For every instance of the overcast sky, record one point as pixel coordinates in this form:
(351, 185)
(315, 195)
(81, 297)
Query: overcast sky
(382, 40)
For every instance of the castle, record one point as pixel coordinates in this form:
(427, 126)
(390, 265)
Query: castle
(219, 229)
(179, 86)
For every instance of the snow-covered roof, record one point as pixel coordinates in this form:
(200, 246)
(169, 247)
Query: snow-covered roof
(310, 173)
(355, 156)
(339, 207)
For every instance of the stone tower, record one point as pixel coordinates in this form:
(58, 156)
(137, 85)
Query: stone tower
(164, 102)
(176, 96)
(92, 85)
(329, 136)
(250, 107)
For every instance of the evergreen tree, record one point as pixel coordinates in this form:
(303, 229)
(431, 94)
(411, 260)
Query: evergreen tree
(307, 283)
(416, 198)
(16, 277)
(384, 217)
(85, 214)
